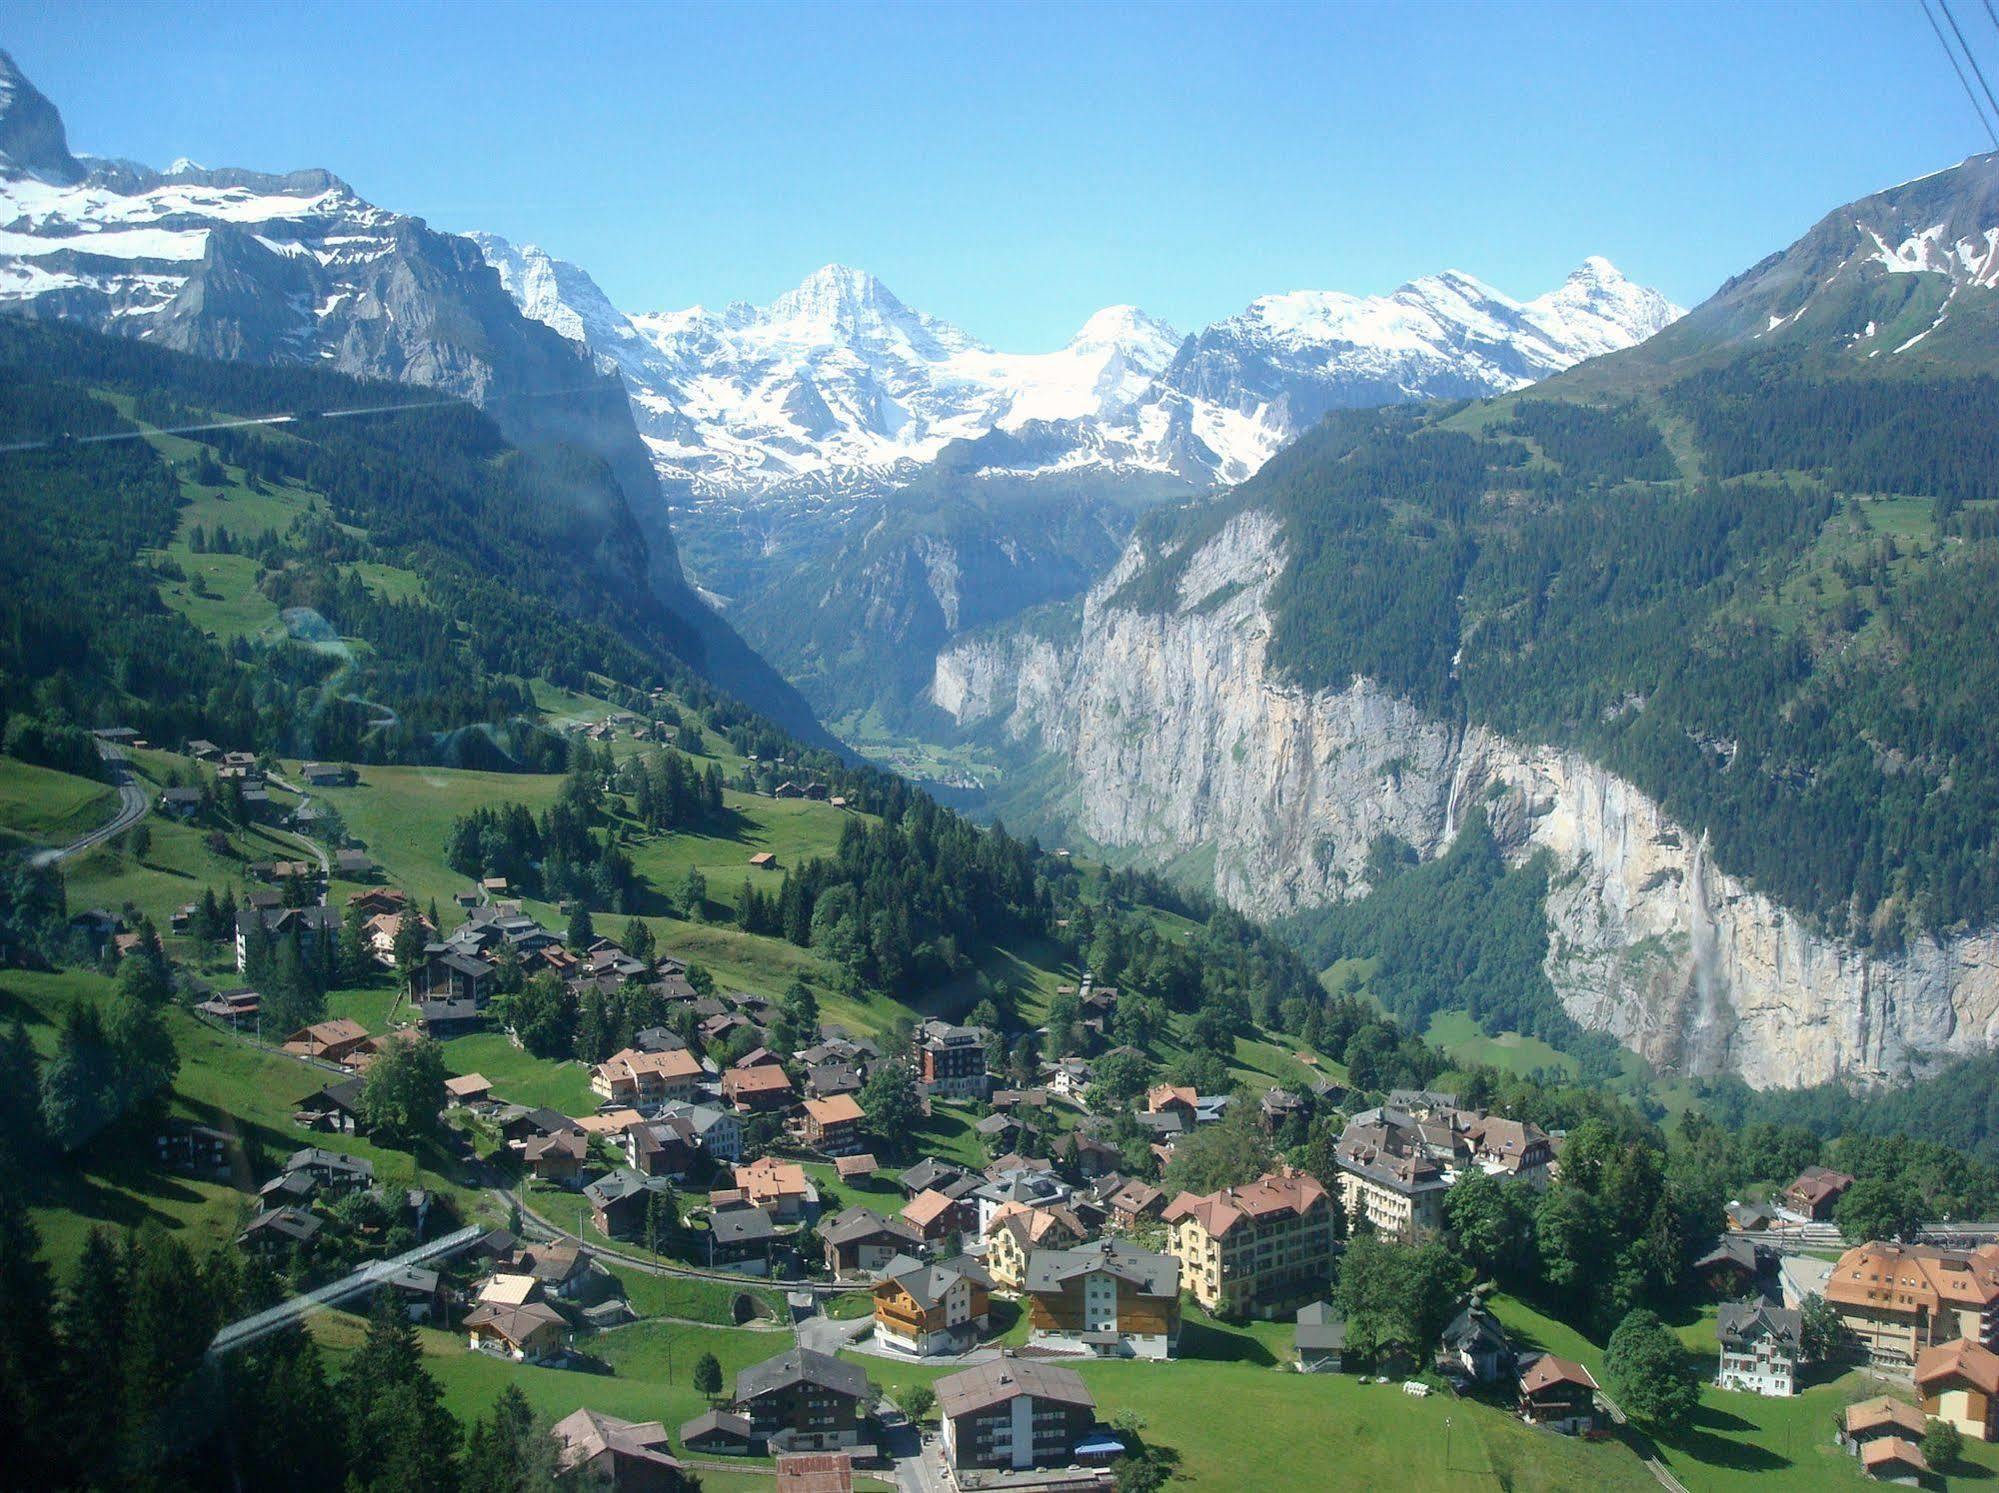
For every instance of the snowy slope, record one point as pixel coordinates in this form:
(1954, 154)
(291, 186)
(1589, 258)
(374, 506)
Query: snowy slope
(838, 389)
(833, 387)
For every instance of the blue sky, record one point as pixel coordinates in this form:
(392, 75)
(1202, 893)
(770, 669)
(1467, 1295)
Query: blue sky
(1012, 168)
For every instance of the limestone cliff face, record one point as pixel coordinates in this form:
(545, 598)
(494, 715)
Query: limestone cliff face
(1179, 741)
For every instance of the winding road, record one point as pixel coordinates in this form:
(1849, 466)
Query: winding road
(132, 803)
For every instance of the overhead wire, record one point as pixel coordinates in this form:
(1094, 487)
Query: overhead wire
(1958, 68)
(1970, 57)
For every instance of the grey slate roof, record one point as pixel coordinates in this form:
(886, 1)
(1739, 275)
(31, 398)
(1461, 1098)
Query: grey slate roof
(1004, 1379)
(801, 1366)
(1153, 1274)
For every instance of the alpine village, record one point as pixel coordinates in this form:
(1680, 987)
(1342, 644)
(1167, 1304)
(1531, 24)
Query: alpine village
(466, 1023)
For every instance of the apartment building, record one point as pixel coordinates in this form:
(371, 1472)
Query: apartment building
(1247, 1251)
(1895, 1300)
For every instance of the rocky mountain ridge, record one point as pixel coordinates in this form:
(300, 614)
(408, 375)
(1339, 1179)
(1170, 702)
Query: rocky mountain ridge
(236, 264)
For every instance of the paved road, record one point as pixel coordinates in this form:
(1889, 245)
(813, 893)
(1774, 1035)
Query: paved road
(285, 1313)
(132, 805)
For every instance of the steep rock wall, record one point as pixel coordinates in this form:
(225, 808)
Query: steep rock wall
(1179, 740)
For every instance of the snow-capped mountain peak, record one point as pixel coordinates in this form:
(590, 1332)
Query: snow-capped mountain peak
(839, 385)
(1130, 331)
(1597, 310)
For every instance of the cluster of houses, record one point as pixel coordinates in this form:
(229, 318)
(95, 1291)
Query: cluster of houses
(1397, 1161)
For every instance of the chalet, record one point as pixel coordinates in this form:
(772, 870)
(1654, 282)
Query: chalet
(1817, 1191)
(857, 1239)
(418, 1293)
(717, 1433)
(1885, 1436)
(633, 1076)
(1015, 1413)
(935, 1216)
(929, 1175)
(803, 1401)
(778, 1188)
(280, 1230)
(951, 1060)
(1136, 1202)
(1558, 1394)
(829, 1080)
(470, 1088)
(763, 860)
(353, 865)
(518, 1123)
(327, 775)
(1759, 1346)
(558, 1157)
(923, 1309)
(620, 1201)
(740, 1235)
(456, 974)
(532, 1332)
(1424, 1104)
(335, 1108)
(181, 803)
(560, 1270)
(1168, 1098)
(658, 1148)
(757, 1090)
(333, 1170)
(718, 1132)
(1319, 1341)
(203, 750)
(1243, 1250)
(600, 1451)
(450, 1016)
(1110, 1299)
(233, 1006)
(198, 1150)
(1883, 1417)
(1068, 1076)
(287, 1190)
(1894, 1460)
(1959, 1384)
(1276, 1105)
(1475, 1345)
(377, 900)
(1733, 1267)
(855, 1168)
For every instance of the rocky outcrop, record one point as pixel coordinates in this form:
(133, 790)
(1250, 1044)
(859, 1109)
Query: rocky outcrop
(1179, 740)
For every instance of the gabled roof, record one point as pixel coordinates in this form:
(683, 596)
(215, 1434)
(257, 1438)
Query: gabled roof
(1890, 1450)
(1885, 1410)
(1547, 1371)
(1962, 1359)
(1152, 1274)
(801, 1366)
(1005, 1379)
(516, 1323)
(927, 1207)
(928, 1284)
(856, 1222)
(841, 1109)
(584, 1435)
(1740, 1323)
